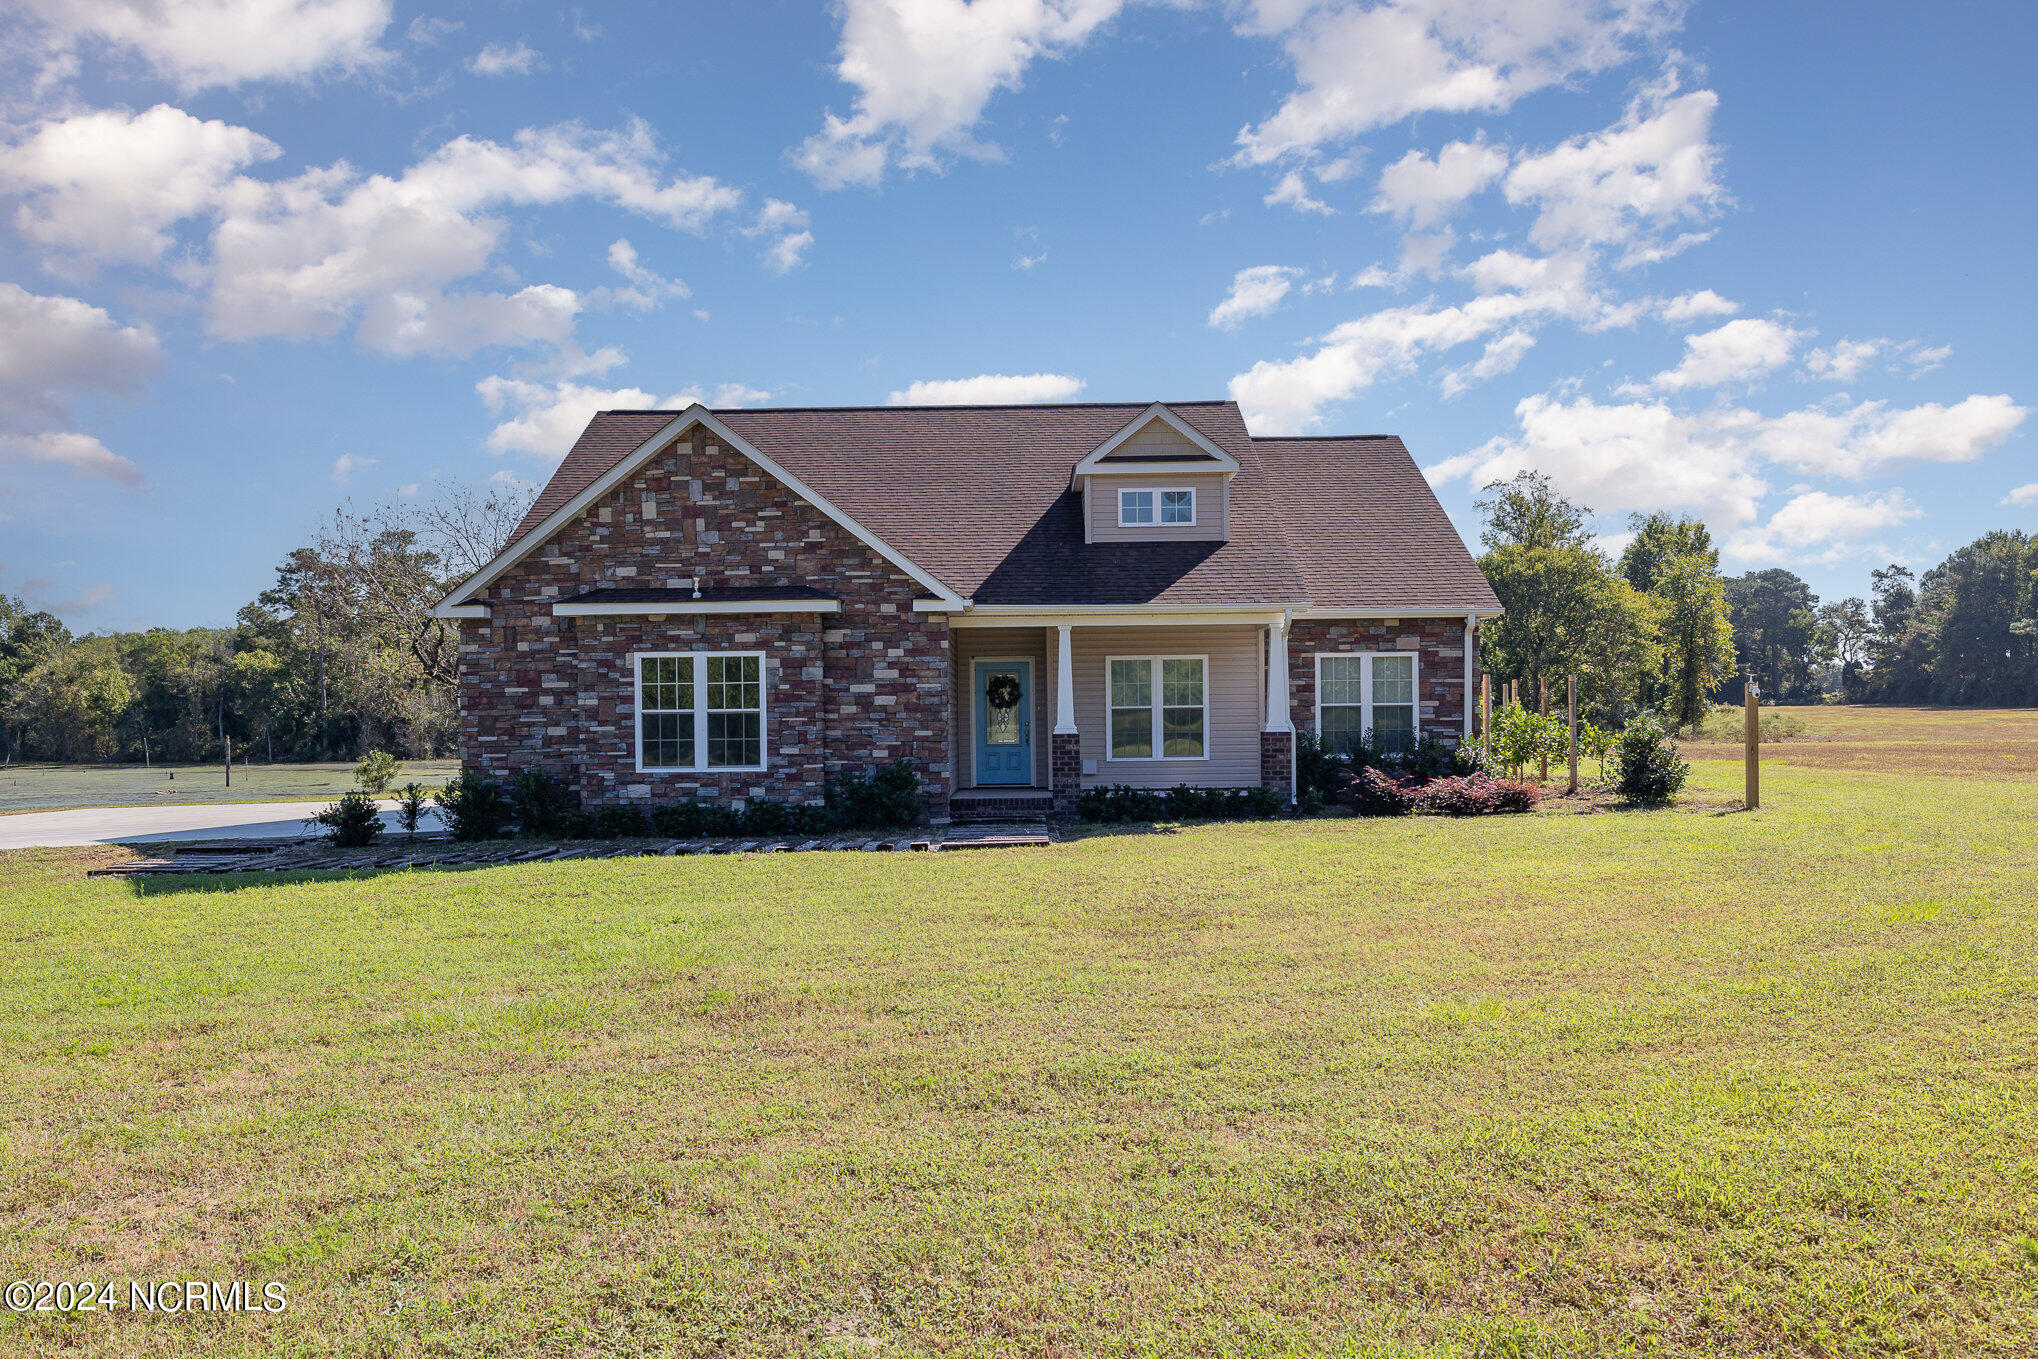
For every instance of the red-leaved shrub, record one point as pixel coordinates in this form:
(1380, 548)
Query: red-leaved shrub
(1373, 793)
(1477, 795)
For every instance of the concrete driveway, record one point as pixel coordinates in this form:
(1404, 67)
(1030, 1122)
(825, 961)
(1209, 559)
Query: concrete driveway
(145, 825)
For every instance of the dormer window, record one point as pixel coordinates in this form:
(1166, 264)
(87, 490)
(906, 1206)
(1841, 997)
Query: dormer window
(1146, 507)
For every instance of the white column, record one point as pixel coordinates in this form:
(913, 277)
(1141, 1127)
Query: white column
(1277, 677)
(1064, 683)
(1471, 674)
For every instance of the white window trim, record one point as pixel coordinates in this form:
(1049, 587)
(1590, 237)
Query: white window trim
(1154, 692)
(699, 661)
(1156, 492)
(1366, 688)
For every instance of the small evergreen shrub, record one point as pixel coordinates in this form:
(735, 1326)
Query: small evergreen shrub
(811, 818)
(411, 801)
(1478, 795)
(766, 816)
(1375, 792)
(547, 807)
(375, 771)
(887, 798)
(694, 821)
(1647, 767)
(624, 822)
(352, 821)
(475, 807)
(1118, 804)
(1431, 757)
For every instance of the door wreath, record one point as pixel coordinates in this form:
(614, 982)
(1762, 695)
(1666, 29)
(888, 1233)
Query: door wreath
(1003, 692)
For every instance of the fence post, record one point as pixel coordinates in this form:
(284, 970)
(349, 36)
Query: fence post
(1485, 716)
(229, 760)
(1542, 710)
(1573, 707)
(1751, 733)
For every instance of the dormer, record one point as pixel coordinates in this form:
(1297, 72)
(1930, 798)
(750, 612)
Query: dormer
(1157, 480)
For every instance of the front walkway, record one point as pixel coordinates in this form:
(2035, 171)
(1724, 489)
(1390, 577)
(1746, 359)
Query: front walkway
(145, 825)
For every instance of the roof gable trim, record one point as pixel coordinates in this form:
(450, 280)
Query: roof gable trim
(695, 414)
(1219, 460)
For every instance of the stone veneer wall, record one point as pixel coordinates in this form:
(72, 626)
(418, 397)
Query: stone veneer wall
(1277, 762)
(1439, 644)
(850, 690)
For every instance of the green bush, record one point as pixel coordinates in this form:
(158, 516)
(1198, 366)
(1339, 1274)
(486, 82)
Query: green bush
(694, 821)
(352, 821)
(375, 771)
(547, 807)
(1117, 804)
(1522, 738)
(1595, 741)
(766, 816)
(887, 798)
(812, 818)
(411, 801)
(475, 806)
(1320, 771)
(1375, 792)
(1647, 767)
(622, 822)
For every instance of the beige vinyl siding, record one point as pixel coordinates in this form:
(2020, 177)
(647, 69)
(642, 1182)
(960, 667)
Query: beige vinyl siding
(1025, 644)
(1235, 695)
(1213, 513)
(1155, 439)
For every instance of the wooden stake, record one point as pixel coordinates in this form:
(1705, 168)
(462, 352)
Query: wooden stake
(1751, 732)
(1574, 733)
(229, 761)
(1543, 705)
(1485, 715)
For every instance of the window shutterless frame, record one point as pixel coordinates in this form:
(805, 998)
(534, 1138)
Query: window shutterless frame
(1156, 705)
(730, 699)
(1156, 506)
(1366, 660)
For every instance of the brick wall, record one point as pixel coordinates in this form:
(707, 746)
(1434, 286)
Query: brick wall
(849, 690)
(1439, 644)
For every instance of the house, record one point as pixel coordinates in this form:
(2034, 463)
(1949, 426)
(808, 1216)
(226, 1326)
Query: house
(1026, 600)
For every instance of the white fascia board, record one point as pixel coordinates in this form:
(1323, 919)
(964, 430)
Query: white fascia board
(695, 414)
(1119, 615)
(690, 606)
(460, 611)
(1406, 611)
(1157, 411)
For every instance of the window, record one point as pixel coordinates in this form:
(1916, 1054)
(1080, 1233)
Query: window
(1366, 693)
(700, 711)
(1136, 508)
(1158, 707)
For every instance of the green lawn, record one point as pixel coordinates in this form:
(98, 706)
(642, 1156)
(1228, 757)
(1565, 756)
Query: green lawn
(49, 787)
(1686, 1082)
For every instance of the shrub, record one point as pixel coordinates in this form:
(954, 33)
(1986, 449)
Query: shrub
(546, 806)
(879, 799)
(766, 816)
(1116, 803)
(411, 801)
(1478, 795)
(375, 771)
(1647, 767)
(1119, 803)
(1431, 757)
(351, 821)
(812, 818)
(1319, 770)
(625, 822)
(1596, 742)
(1521, 738)
(694, 820)
(475, 806)
(1375, 792)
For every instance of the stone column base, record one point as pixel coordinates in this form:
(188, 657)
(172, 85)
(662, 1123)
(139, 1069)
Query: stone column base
(1065, 772)
(1277, 762)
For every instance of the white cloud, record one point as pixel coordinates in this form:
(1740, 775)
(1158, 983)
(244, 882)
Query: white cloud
(647, 287)
(1026, 264)
(80, 454)
(1815, 520)
(201, 43)
(1923, 361)
(107, 186)
(1654, 168)
(51, 346)
(1736, 352)
(429, 30)
(785, 226)
(506, 59)
(85, 601)
(347, 464)
(1503, 354)
(1844, 362)
(990, 389)
(305, 256)
(2027, 494)
(1292, 191)
(924, 71)
(1256, 291)
(1702, 305)
(1423, 192)
(1361, 66)
(548, 416)
(1863, 440)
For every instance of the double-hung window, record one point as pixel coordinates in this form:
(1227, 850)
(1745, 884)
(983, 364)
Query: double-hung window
(1139, 508)
(1366, 696)
(1159, 707)
(700, 710)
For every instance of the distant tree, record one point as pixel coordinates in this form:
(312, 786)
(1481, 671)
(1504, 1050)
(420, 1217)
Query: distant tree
(1697, 639)
(1983, 590)
(1774, 615)
(1657, 539)
(1845, 630)
(1527, 511)
(28, 637)
(72, 701)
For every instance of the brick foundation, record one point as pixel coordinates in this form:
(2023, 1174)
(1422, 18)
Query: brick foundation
(1065, 772)
(1439, 646)
(1277, 762)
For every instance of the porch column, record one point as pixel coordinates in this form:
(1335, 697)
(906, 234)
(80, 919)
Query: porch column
(1065, 745)
(1277, 733)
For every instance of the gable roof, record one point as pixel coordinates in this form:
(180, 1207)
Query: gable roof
(979, 498)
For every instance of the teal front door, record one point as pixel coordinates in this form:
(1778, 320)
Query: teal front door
(1004, 722)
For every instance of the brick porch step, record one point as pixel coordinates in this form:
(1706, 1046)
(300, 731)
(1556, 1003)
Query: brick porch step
(975, 807)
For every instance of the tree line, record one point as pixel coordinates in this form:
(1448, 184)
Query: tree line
(1660, 628)
(339, 656)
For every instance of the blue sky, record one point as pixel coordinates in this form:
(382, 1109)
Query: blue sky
(1731, 259)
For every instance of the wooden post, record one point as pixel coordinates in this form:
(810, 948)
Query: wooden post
(1485, 716)
(229, 761)
(1751, 733)
(1543, 708)
(1573, 703)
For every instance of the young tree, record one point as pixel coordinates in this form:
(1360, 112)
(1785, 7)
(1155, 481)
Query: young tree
(1698, 642)
(1528, 512)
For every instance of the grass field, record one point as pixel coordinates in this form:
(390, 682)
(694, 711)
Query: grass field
(1990, 742)
(1685, 1082)
(51, 787)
